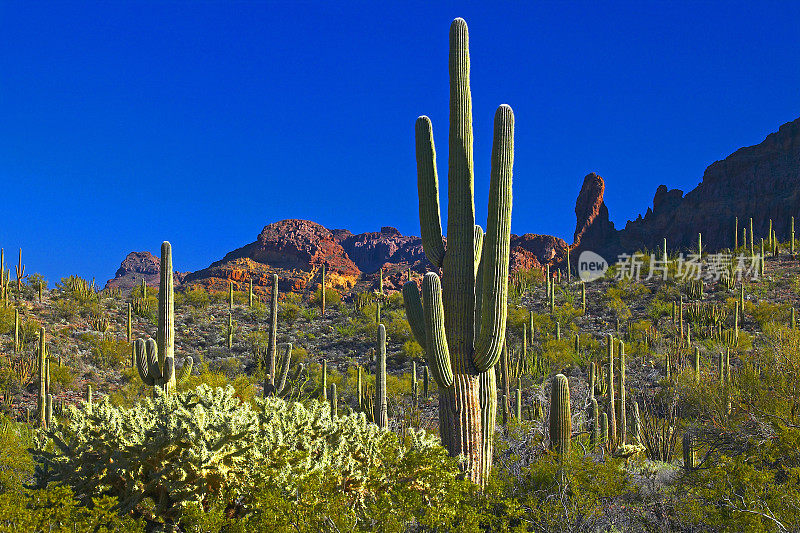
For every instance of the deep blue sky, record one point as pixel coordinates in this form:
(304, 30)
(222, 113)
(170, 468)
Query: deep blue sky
(126, 123)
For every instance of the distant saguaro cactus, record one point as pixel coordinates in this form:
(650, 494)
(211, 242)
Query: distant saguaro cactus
(560, 416)
(381, 413)
(41, 397)
(269, 383)
(155, 359)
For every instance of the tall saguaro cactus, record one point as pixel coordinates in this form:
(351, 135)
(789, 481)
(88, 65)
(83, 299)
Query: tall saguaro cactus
(462, 325)
(155, 359)
(560, 416)
(381, 413)
(41, 397)
(269, 382)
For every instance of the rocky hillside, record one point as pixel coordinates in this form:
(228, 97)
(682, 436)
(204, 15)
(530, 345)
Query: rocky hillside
(761, 181)
(296, 250)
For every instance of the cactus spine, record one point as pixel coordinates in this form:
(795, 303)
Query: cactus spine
(560, 416)
(273, 336)
(459, 351)
(381, 413)
(41, 397)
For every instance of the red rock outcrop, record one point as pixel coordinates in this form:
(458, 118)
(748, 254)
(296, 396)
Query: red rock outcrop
(761, 181)
(293, 249)
(139, 265)
(534, 251)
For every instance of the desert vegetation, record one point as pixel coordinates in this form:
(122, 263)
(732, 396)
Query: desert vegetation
(651, 398)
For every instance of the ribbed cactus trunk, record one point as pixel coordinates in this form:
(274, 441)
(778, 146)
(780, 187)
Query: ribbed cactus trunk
(165, 335)
(130, 323)
(41, 397)
(16, 330)
(250, 294)
(689, 454)
(462, 327)
(594, 435)
(736, 234)
(322, 291)
(612, 418)
(381, 413)
(230, 295)
(269, 384)
(622, 415)
(360, 388)
(324, 379)
(560, 416)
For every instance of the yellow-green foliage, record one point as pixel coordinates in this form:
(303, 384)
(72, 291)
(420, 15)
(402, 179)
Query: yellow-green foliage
(61, 377)
(397, 328)
(16, 464)
(332, 297)
(108, 352)
(196, 296)
(766, 312)
(55, 510)
(288, 312)
(411, 350)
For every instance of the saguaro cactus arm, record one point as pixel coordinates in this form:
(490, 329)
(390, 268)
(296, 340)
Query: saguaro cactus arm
(497, 244)
(428, 186)
(143, 363)
(437, 353)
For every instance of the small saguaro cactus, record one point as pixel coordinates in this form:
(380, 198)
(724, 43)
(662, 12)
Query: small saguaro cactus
(696, 364)
(155, 359)
(278, 387)
(269, 384)
(583, 296)
(49, 412)
(604, 430)
(414, 384)
(736, 234)
(230, 295)
(359, 387)
(462, 328)
(569, 275)
(250, 294)
(560, 416)
(324, 379)
(518, 404)
(761, 260)
(16, 330)
(129, 327)
(752, 238)
(334, 401)
(88, 398)
(322, 291)
(689, 452)
(41, 397)
(612, 422)
(622, 416)
(791, 237)
(381, 413)
(229, 333)
(20, 273)
(594, 435)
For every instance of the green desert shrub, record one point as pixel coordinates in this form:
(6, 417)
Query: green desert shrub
(16, 464)
(197, 297)
(288, 312)
(332, 297)
(54, 509)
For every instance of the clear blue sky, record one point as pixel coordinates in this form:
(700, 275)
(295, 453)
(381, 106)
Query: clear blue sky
(123, 124)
